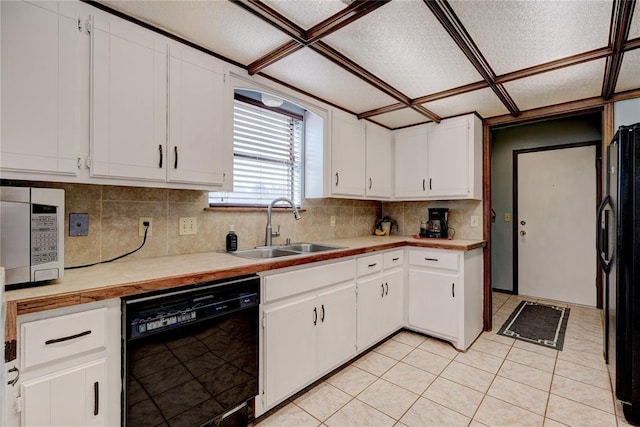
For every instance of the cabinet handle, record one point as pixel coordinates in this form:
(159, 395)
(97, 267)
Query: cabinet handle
(337, 179)
(430, 179)
(395, 259)
(322, 318)
(96, 398)
(70, 337)
(370, 182)
(431, 259)
(315, 316)
(387, 291)
(453, 290)
(372, 265)
(15, 380)
(161, 156)
(423, 187)
(175, 162)
(382, 289)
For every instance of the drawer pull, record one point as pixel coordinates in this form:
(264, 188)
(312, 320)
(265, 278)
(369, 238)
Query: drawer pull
(431, 259)
(382, 287)
(453, 290)
(70, 337)
(322, 318)
(387, 291)
(395, 259)
(372, 265)
(315, 316)
(96, 398)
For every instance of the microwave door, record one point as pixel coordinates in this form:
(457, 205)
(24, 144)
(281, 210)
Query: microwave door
(15, 251)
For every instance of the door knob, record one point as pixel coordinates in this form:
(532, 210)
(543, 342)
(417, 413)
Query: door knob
(522, 233)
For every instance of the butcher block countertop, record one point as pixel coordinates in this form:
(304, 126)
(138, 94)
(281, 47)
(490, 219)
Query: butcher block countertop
(122, 278)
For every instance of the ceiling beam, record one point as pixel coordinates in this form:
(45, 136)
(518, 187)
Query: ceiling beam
(620, 25)
(344, 62)
(354, 11)
(451, 23)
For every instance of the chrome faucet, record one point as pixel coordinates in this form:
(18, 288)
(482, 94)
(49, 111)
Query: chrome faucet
(269, 232)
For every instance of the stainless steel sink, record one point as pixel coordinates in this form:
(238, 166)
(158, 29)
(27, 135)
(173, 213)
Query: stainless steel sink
(261, 253)
(310, 247)
(287, 250)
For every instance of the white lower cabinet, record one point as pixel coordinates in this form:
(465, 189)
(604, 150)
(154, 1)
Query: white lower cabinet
(69, 368)
(380, 301)
(446, 294)
(306, 335)
(69, 398)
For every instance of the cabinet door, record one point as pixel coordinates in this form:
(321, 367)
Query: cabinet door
(411, 162)
(379, 159)
(128, 101)
(448, 158)
(347, 156)
(433, 305)
(195, 117)
(370, 295)
(40, 91)
(336, 326)
(392, 310)
(289, 347)
(75, 397)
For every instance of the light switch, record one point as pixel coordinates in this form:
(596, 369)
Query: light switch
(507, 217)
(474, 220)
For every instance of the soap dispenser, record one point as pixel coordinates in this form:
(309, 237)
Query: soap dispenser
(232, 240)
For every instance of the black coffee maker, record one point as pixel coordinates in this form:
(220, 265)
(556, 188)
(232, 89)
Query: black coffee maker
(437, 224)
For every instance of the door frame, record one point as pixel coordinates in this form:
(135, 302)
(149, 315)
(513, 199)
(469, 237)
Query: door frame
(598, 195)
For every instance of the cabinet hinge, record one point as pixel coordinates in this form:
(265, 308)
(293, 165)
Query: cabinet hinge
(264, 321)
(18, 404)
(224, 77)
(88, 25)
(88, 162)
(79, 24)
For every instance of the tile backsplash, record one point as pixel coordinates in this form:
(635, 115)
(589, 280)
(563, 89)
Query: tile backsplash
(114, 212)
(409, 214)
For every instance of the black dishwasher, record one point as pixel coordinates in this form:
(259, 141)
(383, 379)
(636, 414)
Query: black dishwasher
(190, 356)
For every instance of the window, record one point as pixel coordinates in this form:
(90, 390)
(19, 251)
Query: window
(267, 156)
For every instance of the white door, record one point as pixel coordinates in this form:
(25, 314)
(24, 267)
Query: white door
(432, 302)
(448, 158)
(411, 162)
(392, 315)
(556, 213)
(370, 295)
(379, 158)
(347, 156)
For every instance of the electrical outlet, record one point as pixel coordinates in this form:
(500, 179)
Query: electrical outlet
(474, 220)
(141, 222)
(188, 225)
(332, 221)
(78, 224)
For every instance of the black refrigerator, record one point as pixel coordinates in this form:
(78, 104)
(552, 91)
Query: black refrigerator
(618, 243)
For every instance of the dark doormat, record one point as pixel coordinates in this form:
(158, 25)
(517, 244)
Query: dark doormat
(540, 324)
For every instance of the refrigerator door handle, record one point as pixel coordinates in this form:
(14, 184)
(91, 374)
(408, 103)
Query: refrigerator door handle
(604, 262)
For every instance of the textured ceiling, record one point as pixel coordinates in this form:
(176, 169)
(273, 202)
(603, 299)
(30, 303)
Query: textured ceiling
(403, 62)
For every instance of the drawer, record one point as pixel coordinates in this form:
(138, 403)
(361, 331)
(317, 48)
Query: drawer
(369, 264)
(448, 260)
(306, 279)
(393, 259)
(50, 339)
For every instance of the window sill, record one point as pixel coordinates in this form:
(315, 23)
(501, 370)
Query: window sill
(250, 209)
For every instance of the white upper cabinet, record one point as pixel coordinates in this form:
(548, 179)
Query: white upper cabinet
(440, 161)
(195, 117)
(128, 101)
(347, 155)
(40, 105)
(454, 158)
(411, 163)
(378, 183)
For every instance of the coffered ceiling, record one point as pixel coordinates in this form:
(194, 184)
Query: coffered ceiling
(403, 62)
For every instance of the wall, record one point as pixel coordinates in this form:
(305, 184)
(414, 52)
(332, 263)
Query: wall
(626, 112)
(114, 212)
(504, 141)
(409, 214)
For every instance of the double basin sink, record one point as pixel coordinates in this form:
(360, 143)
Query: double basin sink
(265, 252)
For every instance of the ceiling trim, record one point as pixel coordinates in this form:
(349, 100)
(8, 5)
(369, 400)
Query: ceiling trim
(451, 23)
(354, 11)
(632, 44)
(619, 31)
(555, 65)
(344, 62)
(382, 110)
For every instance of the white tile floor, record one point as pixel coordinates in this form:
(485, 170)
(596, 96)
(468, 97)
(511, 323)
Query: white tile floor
(413, 380)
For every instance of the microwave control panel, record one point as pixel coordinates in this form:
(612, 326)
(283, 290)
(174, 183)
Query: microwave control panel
(44, 234)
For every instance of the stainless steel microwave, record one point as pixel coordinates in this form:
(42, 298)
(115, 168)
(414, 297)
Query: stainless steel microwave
(31, 234)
